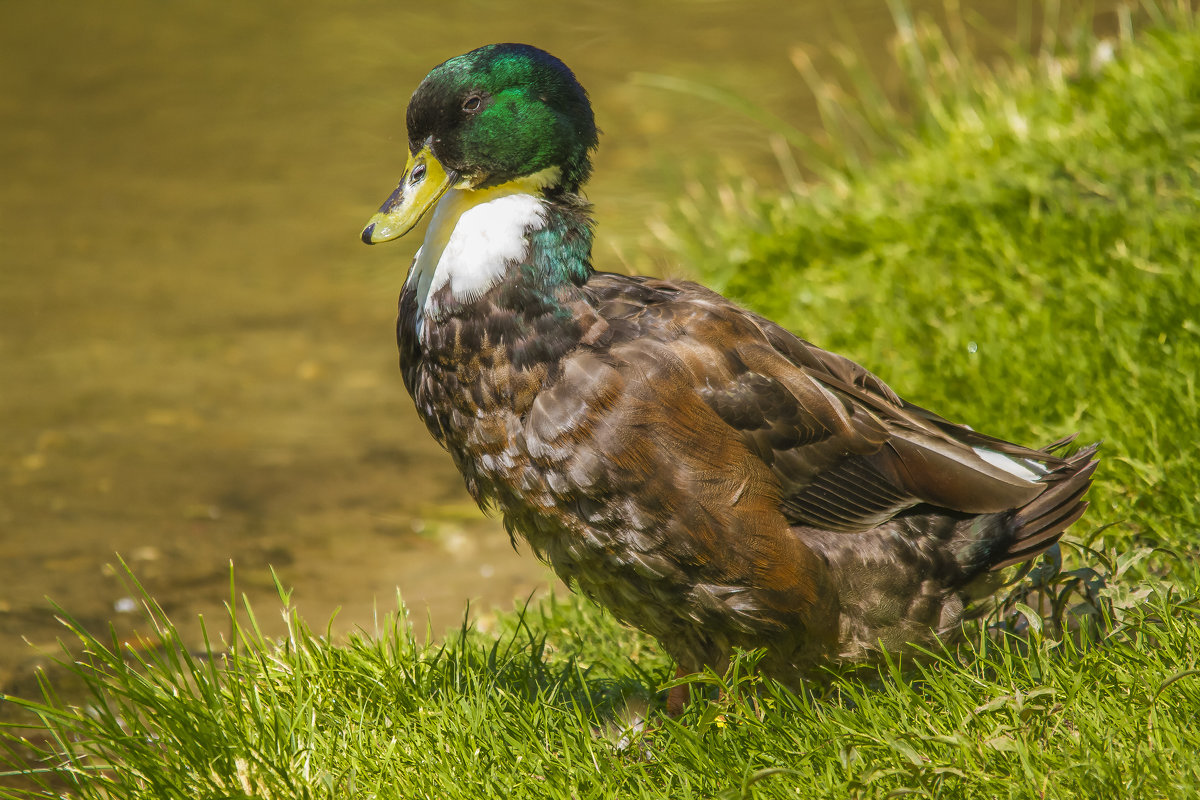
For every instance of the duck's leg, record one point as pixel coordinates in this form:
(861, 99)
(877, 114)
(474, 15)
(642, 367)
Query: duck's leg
(678, 696)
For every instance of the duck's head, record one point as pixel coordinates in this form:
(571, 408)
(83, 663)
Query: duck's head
(502, 114)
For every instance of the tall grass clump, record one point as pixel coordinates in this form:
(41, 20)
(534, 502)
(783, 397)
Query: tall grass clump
(1013, 246)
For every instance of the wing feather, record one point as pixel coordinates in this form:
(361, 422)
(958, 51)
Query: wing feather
(847, 452)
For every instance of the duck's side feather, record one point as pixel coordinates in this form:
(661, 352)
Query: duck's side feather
(846, 451)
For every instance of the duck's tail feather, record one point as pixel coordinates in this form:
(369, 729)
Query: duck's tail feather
(1038, 524)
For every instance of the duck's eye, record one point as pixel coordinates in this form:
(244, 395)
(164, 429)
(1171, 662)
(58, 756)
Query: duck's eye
(472, 103)
(417, 174)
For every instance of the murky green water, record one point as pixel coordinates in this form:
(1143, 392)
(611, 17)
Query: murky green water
(196, 354)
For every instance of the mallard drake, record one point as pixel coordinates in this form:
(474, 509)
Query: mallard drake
(695, 468)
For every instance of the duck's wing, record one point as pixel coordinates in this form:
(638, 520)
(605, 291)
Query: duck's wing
(847, 452)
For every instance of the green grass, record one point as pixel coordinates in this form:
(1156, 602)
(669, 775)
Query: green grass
(1014, 247)
(534, 710)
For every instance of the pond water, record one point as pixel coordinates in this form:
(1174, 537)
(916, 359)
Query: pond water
(197, 365)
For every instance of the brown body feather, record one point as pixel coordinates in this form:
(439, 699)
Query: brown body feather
(718, 482)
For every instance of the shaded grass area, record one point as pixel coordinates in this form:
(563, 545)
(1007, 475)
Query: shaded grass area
(1014, 247)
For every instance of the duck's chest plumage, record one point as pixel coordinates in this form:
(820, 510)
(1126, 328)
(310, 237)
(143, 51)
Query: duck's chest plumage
(480, 332)
(567, 405)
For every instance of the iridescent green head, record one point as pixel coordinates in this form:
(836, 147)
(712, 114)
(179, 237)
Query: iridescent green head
(499, 114)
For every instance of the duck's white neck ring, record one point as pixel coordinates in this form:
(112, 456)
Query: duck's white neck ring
(474, 237)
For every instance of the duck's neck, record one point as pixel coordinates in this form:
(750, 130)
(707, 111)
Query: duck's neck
(493, 302)
(516, 232)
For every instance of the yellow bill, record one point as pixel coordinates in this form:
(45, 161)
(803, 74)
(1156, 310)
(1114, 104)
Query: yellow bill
(423, 184)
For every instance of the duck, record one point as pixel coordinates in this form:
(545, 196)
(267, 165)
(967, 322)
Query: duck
(707, 476)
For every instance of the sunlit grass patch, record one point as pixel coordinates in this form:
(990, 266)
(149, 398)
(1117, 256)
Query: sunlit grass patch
(553, 705)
